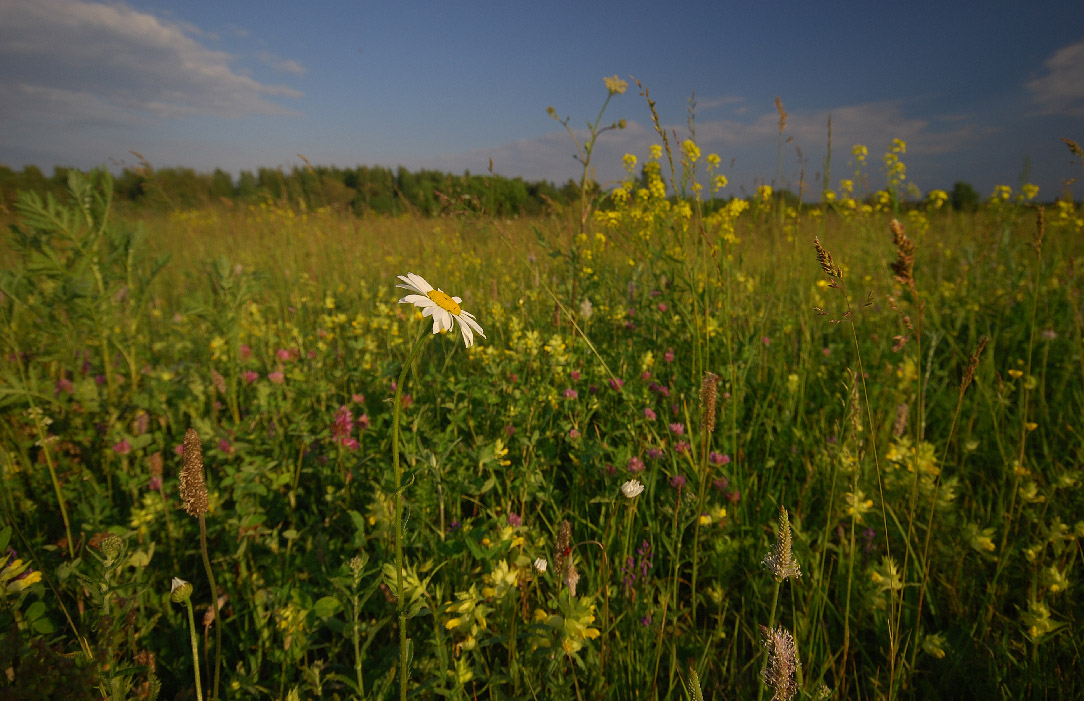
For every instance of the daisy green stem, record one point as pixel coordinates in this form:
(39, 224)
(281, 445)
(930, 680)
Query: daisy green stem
(400, 598)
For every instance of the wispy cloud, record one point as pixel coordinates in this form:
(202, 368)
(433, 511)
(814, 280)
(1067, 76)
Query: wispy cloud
(1061, 89)
(75, 63)
(281, 64)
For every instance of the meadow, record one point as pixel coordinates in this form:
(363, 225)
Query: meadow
(709, 447)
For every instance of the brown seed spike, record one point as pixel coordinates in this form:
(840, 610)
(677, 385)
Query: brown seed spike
(1074, 147)
(825, 259)
(903, 267)
(193, 488)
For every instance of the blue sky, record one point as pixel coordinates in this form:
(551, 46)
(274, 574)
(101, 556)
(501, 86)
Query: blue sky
(980, 92)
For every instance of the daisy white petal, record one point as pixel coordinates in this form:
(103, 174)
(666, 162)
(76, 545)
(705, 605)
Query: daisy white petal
(442, 307)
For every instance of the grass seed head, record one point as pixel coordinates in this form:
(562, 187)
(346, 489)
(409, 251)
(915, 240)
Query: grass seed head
(783, 663)
(904, 265)
(193, 488)
(825, 259)
(780, 561)
(708, 396)
(560, 557)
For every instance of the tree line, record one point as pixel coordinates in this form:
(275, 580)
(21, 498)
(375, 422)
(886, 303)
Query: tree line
(362, 190)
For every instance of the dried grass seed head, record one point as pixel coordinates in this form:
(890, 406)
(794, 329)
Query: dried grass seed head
(709, 388)
(193, 488)
(903, 266)
(825, 259)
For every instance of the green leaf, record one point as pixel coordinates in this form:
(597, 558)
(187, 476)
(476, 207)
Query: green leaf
(327, 607)
(5, 537)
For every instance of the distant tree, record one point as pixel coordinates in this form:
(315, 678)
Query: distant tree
(964, 197)
(247, 188)
(221, 184)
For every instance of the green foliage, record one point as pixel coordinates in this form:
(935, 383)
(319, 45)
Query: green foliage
(964, 198)
(936, 528)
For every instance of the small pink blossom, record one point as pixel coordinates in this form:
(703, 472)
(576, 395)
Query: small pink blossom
(649, 414)
(250, 376)
(677, 481)
(682, 447)
(64, 385)
(677, 429)
(277, 377)
(718, 458)
(246, 352)
(571, 393)
(574, 433)
(616, 383)
(635, 465)
(282, 354)
(122, 447)
(662, 307)
(514, 519)
(225, 447)
(575, 374)
(668, 356)
(645, 376)
(357, 398)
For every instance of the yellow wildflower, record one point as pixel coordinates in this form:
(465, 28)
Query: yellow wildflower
(615, 85)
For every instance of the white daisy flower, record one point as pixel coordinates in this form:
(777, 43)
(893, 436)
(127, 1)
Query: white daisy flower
(441, 306)
(540, 564)
(632, 489)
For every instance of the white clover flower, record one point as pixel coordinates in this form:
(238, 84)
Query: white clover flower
(632, 489)
(441, 306)
(540, 564)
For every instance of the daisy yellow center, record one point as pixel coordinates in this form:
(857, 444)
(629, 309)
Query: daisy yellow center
(444, 301)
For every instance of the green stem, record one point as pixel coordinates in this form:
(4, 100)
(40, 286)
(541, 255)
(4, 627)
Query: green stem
(195, 648)
(400, 598)
(771, 626)
(214, 603)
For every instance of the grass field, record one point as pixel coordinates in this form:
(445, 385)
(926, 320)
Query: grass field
(858, 442)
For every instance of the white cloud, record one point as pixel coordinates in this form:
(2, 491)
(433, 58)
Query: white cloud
(1061, 89)
(75, 62)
